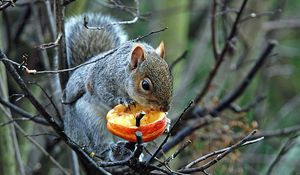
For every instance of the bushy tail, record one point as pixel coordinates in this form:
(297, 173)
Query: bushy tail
(83, 43)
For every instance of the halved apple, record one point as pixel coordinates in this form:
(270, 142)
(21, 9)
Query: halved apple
(121, 121)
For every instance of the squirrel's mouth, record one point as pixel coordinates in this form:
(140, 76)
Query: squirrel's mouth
(155, 107)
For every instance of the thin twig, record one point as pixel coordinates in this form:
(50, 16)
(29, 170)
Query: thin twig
(134, 20)
(176, 61)
(254, 103)
(75, 163)
(246, 81)
(19, 128)
(276, 133)
(17, 151)
(23, 113)
(169, 134)
(256, 15)
(21, 24)
(221, 57)
(188, 130)
(14, 120)
(8, 28)
(67, 2)
(61, 51)
(148, 34)
(39, 35)
(50, 100)
(10, 68)
(202, 158)
(119, 5)
(174, 155)
(50, 18)
(41, 134)
(284, 149)
(220, 156)
(281, 24)
(51, 44)
(12, 130)
(6, 4)
(213, 30)
(16, 97)
(33, 71)
(224, 104)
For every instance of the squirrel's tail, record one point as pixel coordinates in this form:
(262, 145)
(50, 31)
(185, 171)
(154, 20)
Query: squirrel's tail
(83, 43)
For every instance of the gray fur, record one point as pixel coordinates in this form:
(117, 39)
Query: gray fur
(83, 43)
(95, 88)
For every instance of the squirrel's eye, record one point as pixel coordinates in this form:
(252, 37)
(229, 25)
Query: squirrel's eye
(146, 84)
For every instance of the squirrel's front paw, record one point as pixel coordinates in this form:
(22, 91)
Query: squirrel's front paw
(119, 151)
(127, 102)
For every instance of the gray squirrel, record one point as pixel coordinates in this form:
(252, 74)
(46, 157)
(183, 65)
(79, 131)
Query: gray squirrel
(134, 72)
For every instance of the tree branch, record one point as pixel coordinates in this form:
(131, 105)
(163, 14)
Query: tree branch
(159, 149)
(246, 81)
(45, 114)
(19, 128)
(202, 158)
(284, 149)
(213, 30)
(134, 20)
(23, 113)
(6, 4)
(221, 57)
(221, 155)
(62, 53)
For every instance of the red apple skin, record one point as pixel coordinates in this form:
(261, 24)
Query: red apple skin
(150, 131)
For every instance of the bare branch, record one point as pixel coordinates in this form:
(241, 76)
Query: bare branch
(67, 2)
(253, 104)
(257, 15)
(45, 114)
(213, 30)
(277, 133)
(198, 112)
(50, 100)
(19, 128)
(246, 81)
(134, 20)
(281, 24)
(202, 158)
(220, 156)
(61, 52)
(174, 155)
(221, 57)
(33, 71)
(23, 113)
(51, 44)
(176, 61)
(169, 134)
(285, 148)
(5, 4)
(41, 134)
(187, 130)
(148, 34)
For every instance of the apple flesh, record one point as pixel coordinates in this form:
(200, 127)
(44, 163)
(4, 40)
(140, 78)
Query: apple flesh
(121, 121)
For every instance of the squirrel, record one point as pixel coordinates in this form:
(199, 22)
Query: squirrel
(120, 71)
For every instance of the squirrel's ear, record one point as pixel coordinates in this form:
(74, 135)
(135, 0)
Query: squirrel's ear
(160, 50)
(137, 55)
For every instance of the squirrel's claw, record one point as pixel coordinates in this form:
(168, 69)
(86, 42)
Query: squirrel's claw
(127, 102)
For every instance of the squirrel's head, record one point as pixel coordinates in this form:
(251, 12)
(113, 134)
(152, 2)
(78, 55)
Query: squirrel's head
(151, 80)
